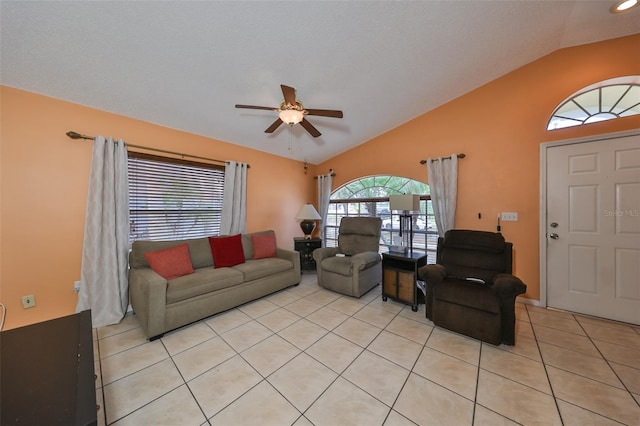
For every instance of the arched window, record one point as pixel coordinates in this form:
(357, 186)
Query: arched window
(606, 100)
(369, 196)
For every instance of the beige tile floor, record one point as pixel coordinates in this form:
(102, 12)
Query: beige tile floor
(307, 356)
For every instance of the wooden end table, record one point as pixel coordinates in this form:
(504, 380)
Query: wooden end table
(399, 275)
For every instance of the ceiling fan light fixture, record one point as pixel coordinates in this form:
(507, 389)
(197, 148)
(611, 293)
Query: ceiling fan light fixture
(623, 6)
(291, 116)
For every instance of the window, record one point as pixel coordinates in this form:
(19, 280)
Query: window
(171, 199)
(369, 196)
(606, 100)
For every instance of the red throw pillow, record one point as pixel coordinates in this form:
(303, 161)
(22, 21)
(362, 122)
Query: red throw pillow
(226, 251)
(264, 245)
(171, 263)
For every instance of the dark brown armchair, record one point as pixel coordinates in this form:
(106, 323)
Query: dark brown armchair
(470, 289)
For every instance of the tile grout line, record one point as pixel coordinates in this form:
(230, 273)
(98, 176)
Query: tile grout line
(396, 315)
(626, 388)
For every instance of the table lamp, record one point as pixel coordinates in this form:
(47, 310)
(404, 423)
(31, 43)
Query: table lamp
(308, 215)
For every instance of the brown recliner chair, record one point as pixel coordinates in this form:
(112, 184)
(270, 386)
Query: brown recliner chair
(470, 289)
(355, 266)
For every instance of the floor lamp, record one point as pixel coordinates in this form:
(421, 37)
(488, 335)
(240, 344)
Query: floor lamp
(405, 204)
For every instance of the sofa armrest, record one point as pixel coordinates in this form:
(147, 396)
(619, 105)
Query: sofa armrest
(292, 256)
(364, 260)
(432, 274)
(322, 253)
(148, 293)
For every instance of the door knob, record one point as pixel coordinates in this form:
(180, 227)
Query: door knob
(553, 225)
(554, 236)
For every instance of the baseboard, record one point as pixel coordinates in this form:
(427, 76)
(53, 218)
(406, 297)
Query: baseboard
(528, 301)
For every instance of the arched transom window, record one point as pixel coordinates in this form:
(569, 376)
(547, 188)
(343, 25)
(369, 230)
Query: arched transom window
(369, 196)
(606, 100)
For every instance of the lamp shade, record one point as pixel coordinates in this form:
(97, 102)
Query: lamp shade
(308, 212)
(404, 202)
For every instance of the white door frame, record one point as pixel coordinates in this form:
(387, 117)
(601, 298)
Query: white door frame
(542, 236)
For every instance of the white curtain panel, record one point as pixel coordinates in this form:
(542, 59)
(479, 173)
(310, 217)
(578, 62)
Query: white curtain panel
(442, 175)
(324, 196)
(234, 201)
(105, 288)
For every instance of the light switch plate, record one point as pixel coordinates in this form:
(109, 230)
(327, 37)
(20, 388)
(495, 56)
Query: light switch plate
(509, 217)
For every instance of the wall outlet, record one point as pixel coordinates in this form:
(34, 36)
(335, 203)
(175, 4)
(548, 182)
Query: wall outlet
(28, 301)
(76, 286)
(509, 217)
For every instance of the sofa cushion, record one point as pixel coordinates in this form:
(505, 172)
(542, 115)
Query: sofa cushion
(260, 268)
(247, 242)
(171, 262)
(338, 265)
(202, 281)
(227, 251)
(264, 245)
(199, 251)
(465, 293)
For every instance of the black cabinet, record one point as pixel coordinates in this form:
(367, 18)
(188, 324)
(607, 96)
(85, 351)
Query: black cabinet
(399, 275)
(306, 246)
(48, 373)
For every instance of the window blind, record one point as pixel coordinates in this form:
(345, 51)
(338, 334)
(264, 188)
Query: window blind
(172, 199)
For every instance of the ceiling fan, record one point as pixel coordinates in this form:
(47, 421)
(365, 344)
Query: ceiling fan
(291, 111)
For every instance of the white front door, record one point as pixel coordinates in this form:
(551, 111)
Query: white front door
(593, 228)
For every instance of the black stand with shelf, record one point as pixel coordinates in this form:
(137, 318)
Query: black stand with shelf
(399, 275)
(306, 246)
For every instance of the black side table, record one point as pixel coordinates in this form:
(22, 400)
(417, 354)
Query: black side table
(399, 275)
(306, 247)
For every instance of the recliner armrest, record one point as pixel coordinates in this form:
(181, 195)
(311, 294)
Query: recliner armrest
(432, 274)
(323, 253)
(508, 285)
(365, 260)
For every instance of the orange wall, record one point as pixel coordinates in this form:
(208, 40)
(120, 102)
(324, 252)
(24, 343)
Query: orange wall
(500, 127)
(44, 177)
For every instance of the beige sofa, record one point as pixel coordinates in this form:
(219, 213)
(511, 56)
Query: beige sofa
(162, 305)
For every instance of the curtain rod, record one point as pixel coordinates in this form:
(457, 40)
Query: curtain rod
(75, 135)
(330, 172)
(459, 156)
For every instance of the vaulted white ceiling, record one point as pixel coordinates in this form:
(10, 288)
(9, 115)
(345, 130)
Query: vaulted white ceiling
(185, 64)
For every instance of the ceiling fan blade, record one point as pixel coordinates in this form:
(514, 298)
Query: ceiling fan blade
(325, 112)
(274, 126)
(309, 127)
(256, 107)
(289, 94)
